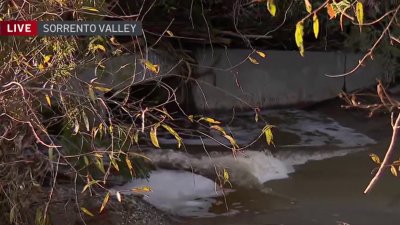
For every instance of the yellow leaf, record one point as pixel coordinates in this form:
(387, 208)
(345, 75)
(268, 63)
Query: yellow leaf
(46, 58)
(360, 13)
(299, 37)
(86, 211)
(375, 158)
(210, 120)
(142, 189)
(226, 175)
(152, 67)
(271, 7)
(268, 134)
(98, 47)
(253, 60)
(173, 132)
(308, 6)
(129, 164)
(232, 141)
(315, 25)
(393, 170)
(114, 163)
(262, 54)
(48, 99)
(190, 117)
(170, 33)
(153, 135)
(119, 197)
(41, 67)
(88, 185)
(100, 165)
(105, 201)
(220, 129)
(102, 89)
(90, 9)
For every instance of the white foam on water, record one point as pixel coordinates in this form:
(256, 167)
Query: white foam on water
(313, 129)
(177, 192)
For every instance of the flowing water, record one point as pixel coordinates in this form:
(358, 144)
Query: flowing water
(315, 175)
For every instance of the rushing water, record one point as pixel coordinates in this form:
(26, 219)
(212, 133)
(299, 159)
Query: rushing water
(270, 187)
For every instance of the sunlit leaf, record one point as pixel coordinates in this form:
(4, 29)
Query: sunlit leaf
(48, 99)
(315, 25)
(393, 170)
(105, 201)
(129, 164)
(360, 13)
(152, 67)
(253, 60)
(41, 67)
(375, 158)
(190, 117)
(174, 133)
(100, 165)
(142, 189)
(262, 54)
(271, 7)
(153, 135)
(114, 163)
(86, 211)
(299, 37)
(308, 6)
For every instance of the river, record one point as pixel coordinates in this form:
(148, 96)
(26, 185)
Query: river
(315, 175)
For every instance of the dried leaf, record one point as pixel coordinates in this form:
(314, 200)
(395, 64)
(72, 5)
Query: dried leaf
(88, 185)
(142, 189)
(360, 13)
(308, 6)
(315, 25)
(253, 60)
(105, 201)
(393, 170)
(129, 164)
(102, 89)
(190, 117)
(232, 141)
(262, 54)
(375, 158)
(100, 165)
(86, 211)
(92, 96)
(76, 127)
(271, 7)
(86, 121)
(331, 11)
(220, 129)
(153, 135)
(299, 37)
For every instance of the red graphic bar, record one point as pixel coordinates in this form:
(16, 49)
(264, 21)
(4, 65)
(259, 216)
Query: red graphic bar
(18, 28)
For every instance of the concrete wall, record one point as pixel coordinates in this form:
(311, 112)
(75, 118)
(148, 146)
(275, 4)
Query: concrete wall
(282, 78)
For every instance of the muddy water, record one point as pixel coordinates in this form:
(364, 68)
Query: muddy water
(317, 176)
